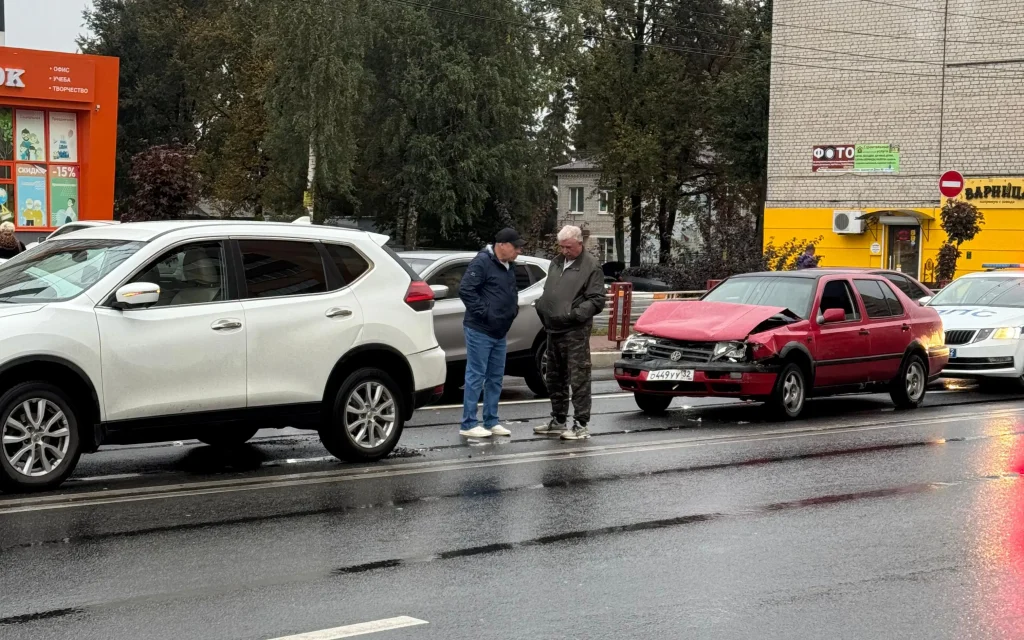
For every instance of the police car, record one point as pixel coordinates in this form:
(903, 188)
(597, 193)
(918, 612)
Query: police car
(982, 316)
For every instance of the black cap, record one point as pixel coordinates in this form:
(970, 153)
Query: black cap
(510, 236)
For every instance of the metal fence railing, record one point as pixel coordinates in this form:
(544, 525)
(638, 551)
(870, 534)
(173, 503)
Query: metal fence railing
(643, 300)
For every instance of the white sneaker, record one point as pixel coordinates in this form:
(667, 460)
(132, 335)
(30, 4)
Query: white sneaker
(475, 432)
(551, 428)
(499, 430)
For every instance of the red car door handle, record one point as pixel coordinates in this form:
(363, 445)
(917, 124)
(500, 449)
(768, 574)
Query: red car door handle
(865, 332)
(906, 327)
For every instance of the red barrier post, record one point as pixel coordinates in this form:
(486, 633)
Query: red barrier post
(620, 314)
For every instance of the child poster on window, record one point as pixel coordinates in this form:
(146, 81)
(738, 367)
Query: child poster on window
(29, 136)
(63, 137)
(30, 191)
(63, 195)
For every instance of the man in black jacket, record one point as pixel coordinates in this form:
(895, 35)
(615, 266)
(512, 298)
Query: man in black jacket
(573, 294)
(492, 302)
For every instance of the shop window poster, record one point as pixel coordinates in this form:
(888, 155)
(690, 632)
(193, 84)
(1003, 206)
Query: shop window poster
(6, 215)
(63, 195)
(6, 135)
(30, 192)
(63, 137)
(29, 135)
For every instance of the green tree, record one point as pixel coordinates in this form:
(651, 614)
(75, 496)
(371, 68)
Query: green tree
(447, 146)
(962, 222)
(315, 92)
(163, 183)
(156, 104)
(738, 106)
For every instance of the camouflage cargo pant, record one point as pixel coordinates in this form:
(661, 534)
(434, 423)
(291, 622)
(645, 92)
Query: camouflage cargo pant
(568, 371)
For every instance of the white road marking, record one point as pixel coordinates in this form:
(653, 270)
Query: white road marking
(113, 476)
(360, 629)
(505, 403)
(139, 494)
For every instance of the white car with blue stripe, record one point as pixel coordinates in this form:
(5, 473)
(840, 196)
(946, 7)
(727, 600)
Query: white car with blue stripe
(983, 316)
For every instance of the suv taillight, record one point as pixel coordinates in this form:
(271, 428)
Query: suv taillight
(420, 296)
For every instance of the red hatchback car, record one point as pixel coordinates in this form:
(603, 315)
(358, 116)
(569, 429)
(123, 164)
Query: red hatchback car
(781, 337)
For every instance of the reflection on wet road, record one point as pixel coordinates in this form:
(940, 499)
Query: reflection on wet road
(858, 522)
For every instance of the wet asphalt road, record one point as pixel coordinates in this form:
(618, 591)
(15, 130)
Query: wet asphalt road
(856, 522)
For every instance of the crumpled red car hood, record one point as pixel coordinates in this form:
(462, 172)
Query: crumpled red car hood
(703, 321)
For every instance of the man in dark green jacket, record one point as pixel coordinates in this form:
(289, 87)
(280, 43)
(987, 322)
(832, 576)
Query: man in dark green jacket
(573, 294)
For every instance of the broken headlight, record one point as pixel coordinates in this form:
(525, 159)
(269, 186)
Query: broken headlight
(730, 352)
(636, 345)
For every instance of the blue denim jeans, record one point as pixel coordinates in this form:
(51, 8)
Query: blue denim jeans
(485, 368)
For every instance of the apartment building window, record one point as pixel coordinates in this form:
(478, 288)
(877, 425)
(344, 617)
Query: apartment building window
(602, 203)
(606, 249)
(575, 199)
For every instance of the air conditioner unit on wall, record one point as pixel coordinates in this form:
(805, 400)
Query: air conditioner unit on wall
(847, 222)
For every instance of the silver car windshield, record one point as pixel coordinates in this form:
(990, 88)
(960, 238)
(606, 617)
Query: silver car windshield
(61, 269)
(419, 265)
(794, 294)
(990, 292)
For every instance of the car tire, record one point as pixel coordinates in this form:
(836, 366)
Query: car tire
(225, 437)
(790, 393)
(1001, 385)
(652, 405)
(374, 395)
(908, 389)
(536, 378)
(454, 384)
(54, 456)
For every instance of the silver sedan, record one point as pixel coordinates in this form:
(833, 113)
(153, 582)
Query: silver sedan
(526, 339)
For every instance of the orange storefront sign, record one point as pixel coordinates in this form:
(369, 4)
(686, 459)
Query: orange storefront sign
(42, 76)
(58, 137)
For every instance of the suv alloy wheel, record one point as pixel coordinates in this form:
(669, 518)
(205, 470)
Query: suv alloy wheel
(39, 440)
(366, 419)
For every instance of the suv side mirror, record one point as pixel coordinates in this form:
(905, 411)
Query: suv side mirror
(834, 315)
(440, 291)
(137, 294)
(925, 300)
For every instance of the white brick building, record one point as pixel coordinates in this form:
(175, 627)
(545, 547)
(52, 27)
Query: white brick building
(943, 83)
(582, 202)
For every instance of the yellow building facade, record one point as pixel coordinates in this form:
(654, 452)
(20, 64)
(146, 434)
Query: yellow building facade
(904, 240)
(864, 122)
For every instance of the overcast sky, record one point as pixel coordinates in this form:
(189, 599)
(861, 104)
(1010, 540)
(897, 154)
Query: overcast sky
(52, 25)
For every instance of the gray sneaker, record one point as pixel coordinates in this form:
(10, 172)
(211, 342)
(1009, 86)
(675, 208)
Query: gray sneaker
(577, 433)
(551, 428)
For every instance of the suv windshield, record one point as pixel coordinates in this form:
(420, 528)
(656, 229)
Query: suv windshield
(992, 292)
(61, 269)
(794, 294)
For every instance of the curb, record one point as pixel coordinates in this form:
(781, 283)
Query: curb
(603, 359)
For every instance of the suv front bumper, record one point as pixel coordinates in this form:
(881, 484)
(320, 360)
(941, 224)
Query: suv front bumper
(709, 379)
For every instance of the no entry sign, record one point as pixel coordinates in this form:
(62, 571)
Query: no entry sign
(951, 184)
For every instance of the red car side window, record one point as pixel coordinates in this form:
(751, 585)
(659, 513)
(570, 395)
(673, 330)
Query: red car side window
(837, 295)
(895, 306)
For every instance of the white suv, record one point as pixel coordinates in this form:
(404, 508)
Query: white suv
(164, 330)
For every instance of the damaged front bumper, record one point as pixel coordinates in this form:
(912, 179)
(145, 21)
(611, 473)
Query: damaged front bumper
(657, 376)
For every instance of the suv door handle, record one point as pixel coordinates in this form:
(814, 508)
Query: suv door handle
(224, 325)
(865, 332)
(337, 312)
